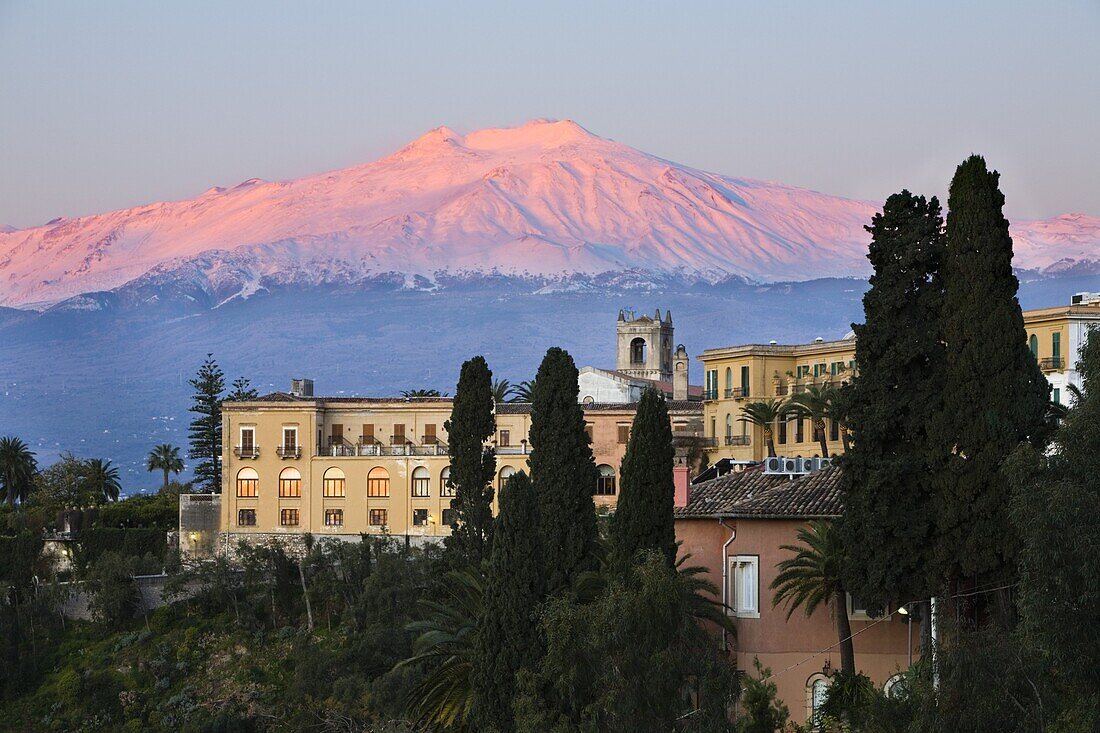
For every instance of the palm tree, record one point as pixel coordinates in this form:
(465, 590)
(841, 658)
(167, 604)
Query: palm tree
(101, 479)
(164, 457)
(812, 577)
(523, 391)
(17, 470)
(838, 412)
(815, 403)
(408, 393)
(502, 390)
(764, 414)
(445, 648)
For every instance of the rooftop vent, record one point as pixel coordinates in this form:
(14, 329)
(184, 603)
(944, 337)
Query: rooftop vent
(773, 342)
(301, 387)
(819, 340)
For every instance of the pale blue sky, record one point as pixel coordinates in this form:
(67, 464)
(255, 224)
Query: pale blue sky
(112, 104)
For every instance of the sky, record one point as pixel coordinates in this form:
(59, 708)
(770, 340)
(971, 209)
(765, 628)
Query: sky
(114, 104)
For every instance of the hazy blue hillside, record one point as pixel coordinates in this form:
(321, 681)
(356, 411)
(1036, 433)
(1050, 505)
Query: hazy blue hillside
(109, 378)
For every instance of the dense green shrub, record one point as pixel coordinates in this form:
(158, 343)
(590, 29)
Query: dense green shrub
(91, 544)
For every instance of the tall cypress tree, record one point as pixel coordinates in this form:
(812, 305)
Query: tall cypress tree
(206, 429)
(473, 464)
(563, 472)
(643, 516)
(508, 636)
(994, 394)
(887, 480)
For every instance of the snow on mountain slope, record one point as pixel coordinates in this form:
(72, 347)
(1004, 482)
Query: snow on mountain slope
(543, 199)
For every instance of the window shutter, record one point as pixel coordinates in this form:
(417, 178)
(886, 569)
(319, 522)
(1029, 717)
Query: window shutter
(624, 434)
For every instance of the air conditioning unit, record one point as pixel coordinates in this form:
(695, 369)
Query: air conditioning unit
(824, 463)
(792, 465)
(773, 465)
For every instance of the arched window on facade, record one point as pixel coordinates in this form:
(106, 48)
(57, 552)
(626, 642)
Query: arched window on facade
(505, 472)
(729, 426)
(445, 487)
(335, 485)
(248, 483)
(378, 482)
(637, 351)
(605, 481)
(1033, 344)
(421, 483)
(290, 483)
(816, 688)
(729, 382)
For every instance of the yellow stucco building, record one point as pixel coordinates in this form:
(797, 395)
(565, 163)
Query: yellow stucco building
(735, 376)
(294, 463)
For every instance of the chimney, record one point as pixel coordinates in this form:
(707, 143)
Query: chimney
(301, 387)
(680, 481)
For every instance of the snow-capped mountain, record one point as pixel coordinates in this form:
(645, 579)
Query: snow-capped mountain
(542, 200)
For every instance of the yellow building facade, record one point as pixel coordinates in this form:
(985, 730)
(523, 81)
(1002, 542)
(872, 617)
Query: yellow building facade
(735, 376)
(293, 464)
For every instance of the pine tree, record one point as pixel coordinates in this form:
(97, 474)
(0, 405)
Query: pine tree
(473, 464)
(643, 516)
(563, 473)
(887, 479)
(242, 390)
(206, 429)
(994, 394)
(508, 638)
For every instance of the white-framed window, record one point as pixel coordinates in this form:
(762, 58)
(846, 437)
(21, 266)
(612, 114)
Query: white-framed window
(745, 586)
(248, 440)
(857, 609)
(817, 687)
(290, 438)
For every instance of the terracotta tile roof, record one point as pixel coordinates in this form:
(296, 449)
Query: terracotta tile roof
(753, 494)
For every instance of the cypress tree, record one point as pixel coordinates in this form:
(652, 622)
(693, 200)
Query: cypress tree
(994, 394)
(643, 516)
(563, 473)
(206, 429)
(473, 464)
(508, 636)
(887, 480)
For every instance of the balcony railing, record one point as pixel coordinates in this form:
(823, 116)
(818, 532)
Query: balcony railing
(289, 451)
(1051, 364)
(380, 449)
(738, 439)
(246, 452)
(512, 450)
(710, 394)
(781, 390)
(708, 442)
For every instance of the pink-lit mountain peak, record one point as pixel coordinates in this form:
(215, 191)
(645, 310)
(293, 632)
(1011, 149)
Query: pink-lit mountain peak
(547, 198)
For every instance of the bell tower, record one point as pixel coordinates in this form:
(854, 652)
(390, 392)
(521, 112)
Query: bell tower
(645, 346)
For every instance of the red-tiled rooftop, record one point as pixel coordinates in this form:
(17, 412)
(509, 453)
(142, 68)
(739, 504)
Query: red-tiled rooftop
(753, 494)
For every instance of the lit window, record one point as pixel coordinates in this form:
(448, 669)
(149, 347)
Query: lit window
(505, 473)
(421, 483)
(334, 517)
(745, 578)
(605, 482)
(248, 482)
(446, 488)
(378, 482)
(420, 517)
(246, 517)
(288, 517)
(335, 486)
(378, 517)
(290, 483)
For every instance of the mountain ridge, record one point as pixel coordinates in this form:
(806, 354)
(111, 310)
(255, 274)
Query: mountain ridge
(545, 200)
